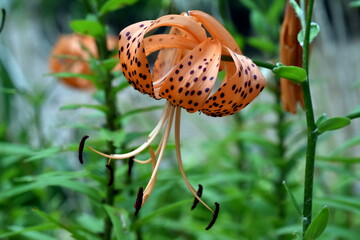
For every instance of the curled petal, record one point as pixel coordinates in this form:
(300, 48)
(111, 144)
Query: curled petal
(167, 58)
(237, 91)
(134, 63)
(192, 29)
(190, 82)
(217, 30)
(163, 41)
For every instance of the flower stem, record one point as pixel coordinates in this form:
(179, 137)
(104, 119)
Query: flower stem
(311, 126)
(111, 124)
(354, 115)
(264, 64)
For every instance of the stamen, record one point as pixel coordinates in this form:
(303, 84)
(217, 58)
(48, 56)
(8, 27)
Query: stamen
(81, 148)
(153, 155)
(151, 158)
(198, 193)
(139, 200)
(142, 161)
(130, 165)
(156, 163)
(178, 156)
(216, 213)
(147, 143)
(111, 174)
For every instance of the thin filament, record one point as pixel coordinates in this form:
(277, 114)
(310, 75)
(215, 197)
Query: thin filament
(152, 180)
(146, 144)
(178, 156)
(156, 153)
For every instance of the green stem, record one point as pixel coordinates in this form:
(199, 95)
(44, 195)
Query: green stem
(311, 127)
(111, 117)
(353, 115)
(111, 123)
(264, 64)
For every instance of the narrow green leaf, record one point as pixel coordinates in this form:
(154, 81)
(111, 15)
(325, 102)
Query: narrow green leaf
(321, 118)
(340, 159)
(112, 5)
(14, 149)
(162, 210)
(262, 44)
(355, 4)
(87, 27)
(48, 152)
(314, 31)
(101, 108)
(120, 87)
(38, 236)
(69, 229)
(7, 193)
(109, 64)
(250, 4)
(81, 188)
(117, 137)
(342, 232)
(74, 75)
(8, 90)
(292, 73)
(293, 200)
(55, 181)
(115, 216)
(350, 204)
(345, 145)
(299, 12)
(318, 225)
(140, 110)
(275, 10)
(15, 230)
(333, 124)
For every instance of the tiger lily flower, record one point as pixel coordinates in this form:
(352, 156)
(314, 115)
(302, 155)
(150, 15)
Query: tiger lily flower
(79, 49)
(290, 54)
(184, 73)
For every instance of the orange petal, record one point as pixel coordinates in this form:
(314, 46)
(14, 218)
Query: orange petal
(163, 41)
(290, 54)
(237, 91)
(134, 63)
(217, 31)
(190, 82)
(167, 58)
(191, 28)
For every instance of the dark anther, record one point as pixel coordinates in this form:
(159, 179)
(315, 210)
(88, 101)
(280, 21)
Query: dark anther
(130, 165)
(139, 200)
(198, 193)
(81, 148)
(111, 173)
(2, 23)
(216, 213)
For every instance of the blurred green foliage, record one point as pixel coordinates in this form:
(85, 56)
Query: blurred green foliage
(45, 194)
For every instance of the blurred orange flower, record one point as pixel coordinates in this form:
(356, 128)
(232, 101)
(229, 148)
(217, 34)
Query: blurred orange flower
(71, 54)
(290, 54)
